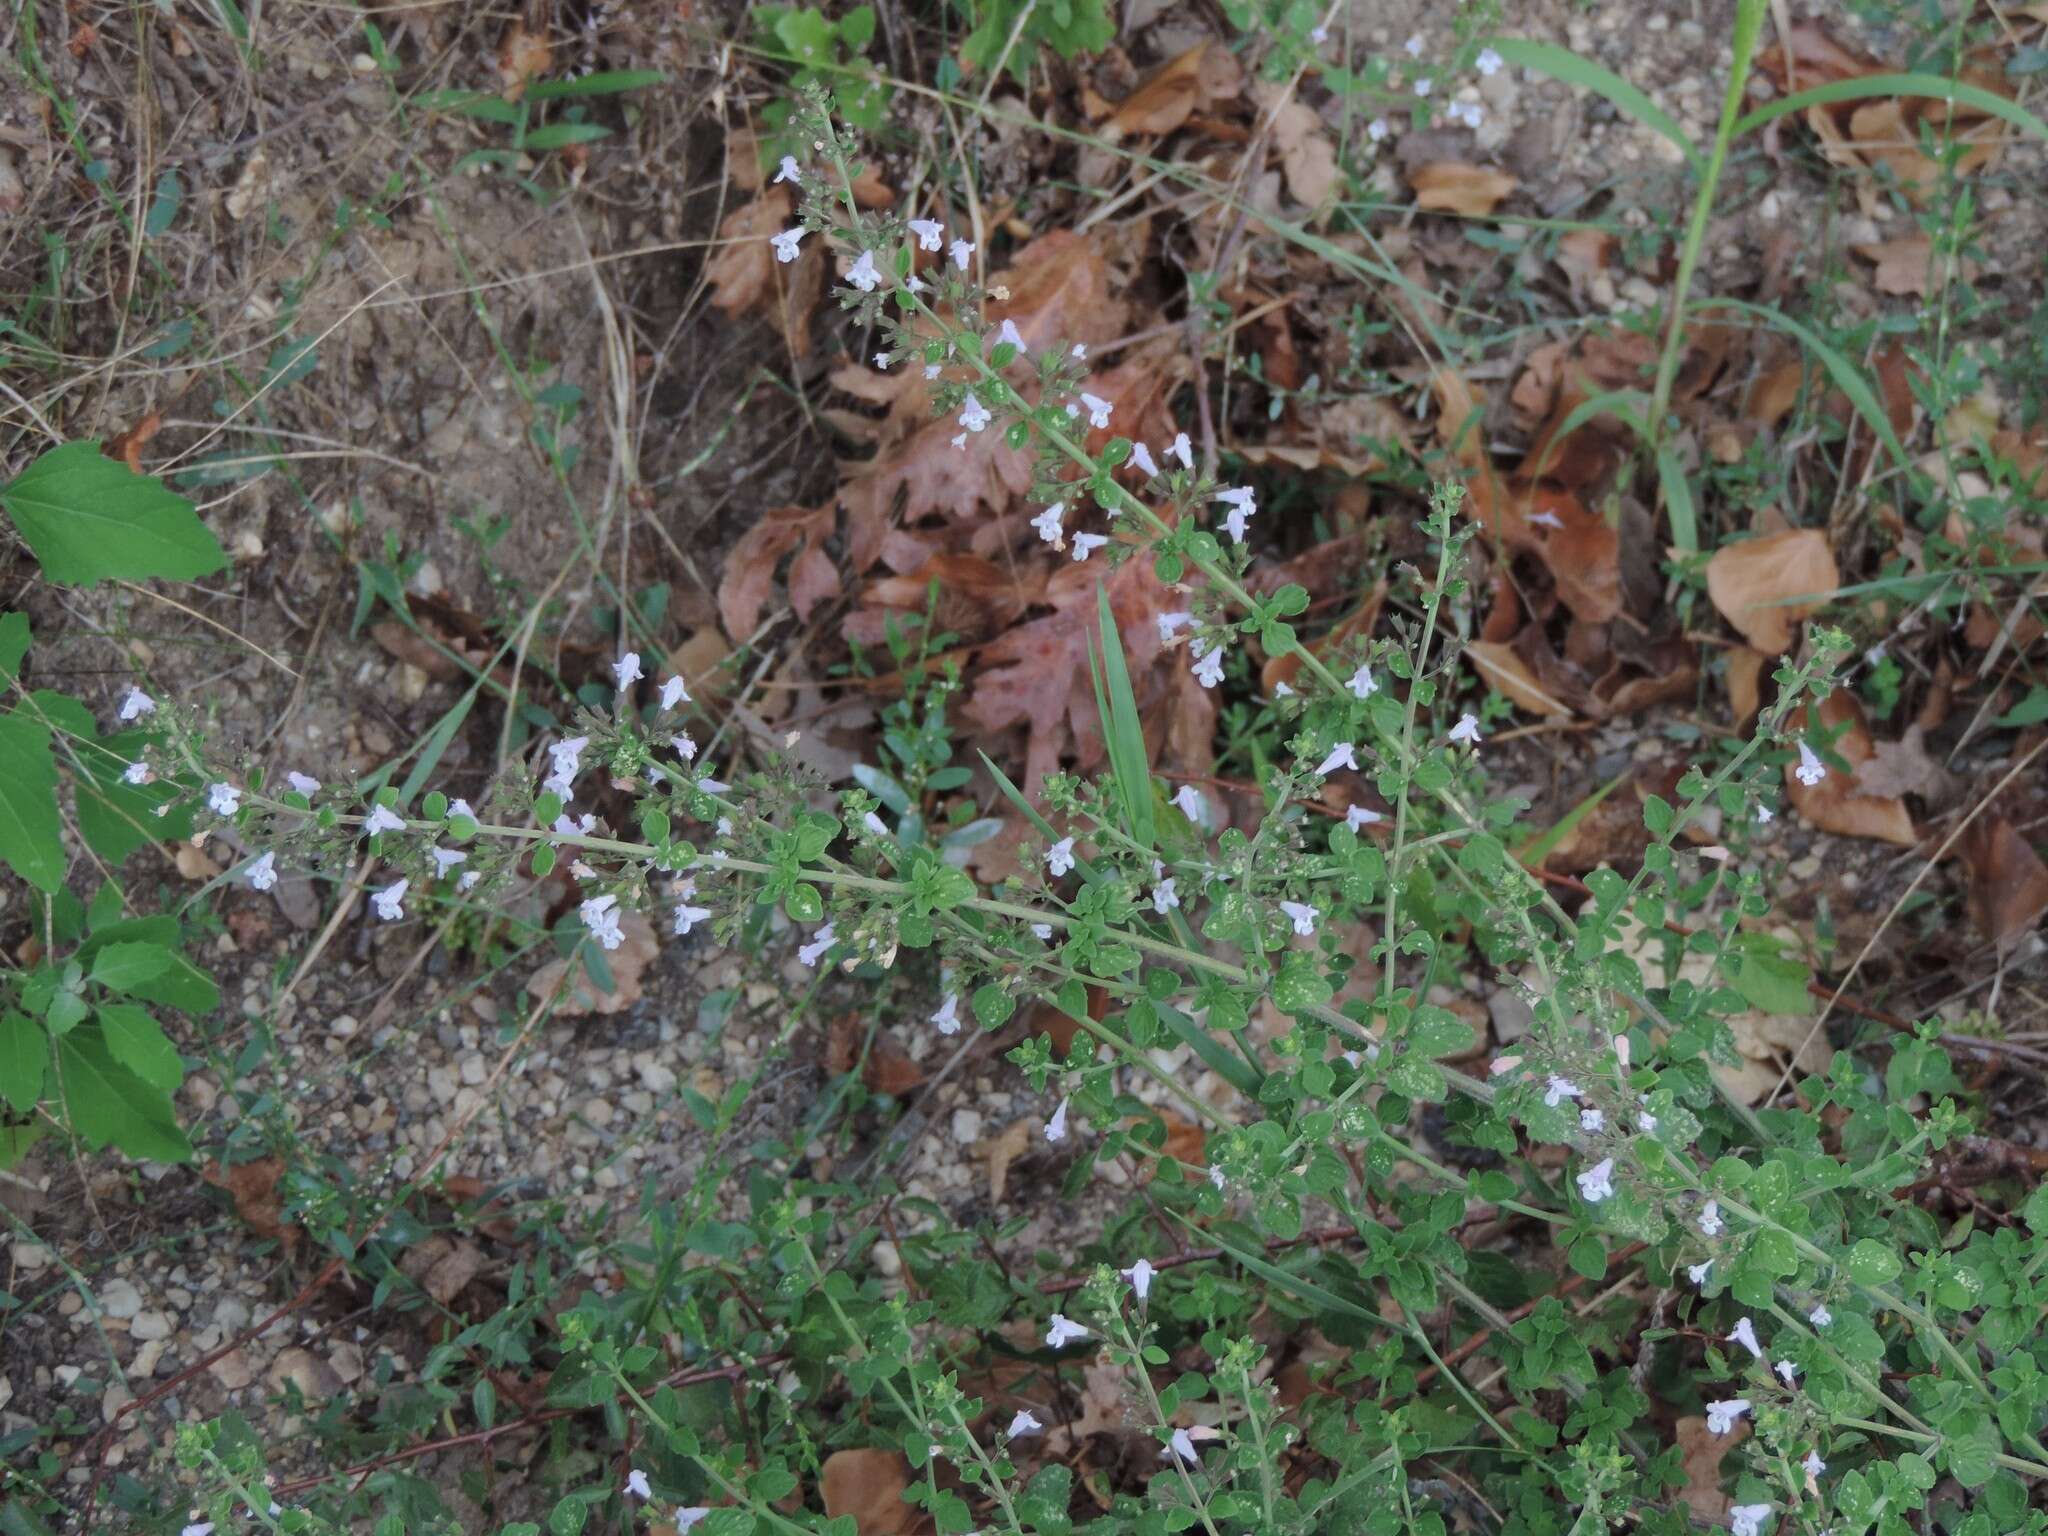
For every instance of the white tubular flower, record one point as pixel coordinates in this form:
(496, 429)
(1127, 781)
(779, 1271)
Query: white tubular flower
(1470, 113)
(930, 233)
(1748, 1519)
(602, 921)
(1189, 802)
(1183, 450)
(1343, 755)
(874, 824)
(947, 1016)
(1358, 816)
(673, 692)
(1025, 1423)
(1710, 1219)
(1813, 1465)
(1744, 1333)
(636, 1484)
(1467, 729)
(1164, 897)
(1786, 1370)
(1059, 858)
(1048, 523)
(1085, 544)
(1413, 47)
(1488, 63)
(1558, 1089)
(1546, 519)
(389, 902)
(446, 859)
(1208, 668)
(1721, 1416)
(1171, 624)
(1422, 86)
(788, 172)
(135, 704)
(973, 414)
(136, 773)
(1763, 816)
(1697, 1273)
(685, 1518)
(810, 954)
(627, 670)
(469, 880)
(1180, 1443)
(1098, 409)
(566, 758)
(1820, 1316)
(961, 250)
(382, 819)
(305, 784)
(1063, 1331)
(1302, 916)
(1042, 932)
(864, 274)
(460, 807)
(686, 748)
(262, 874)
(1140, 1275)
(1008, 331)
(1811, 769)
(1377, 130)
(1056, 1127)
(1597, 1182)
(882, 361)
(1591, 1120)
(1319, 34)
(223, 799)
(786, 243)
(198, 1528)
(687, 917)
(1142, 457)
(1216, 1176)
(1361, 683)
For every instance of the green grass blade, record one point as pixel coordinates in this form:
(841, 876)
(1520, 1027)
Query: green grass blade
(1936, 86)
(1563, 64)
(1840, 369)
(1685, 527)
(1122, 730)
(1016, 797)
(1625, 403)
(1537, 849)
(605, 82)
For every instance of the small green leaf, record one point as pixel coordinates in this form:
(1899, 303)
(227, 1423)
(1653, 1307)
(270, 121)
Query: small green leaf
(993, 1006)
(124, 967)
(31, 836)
(89, 519)
(108, 1104)
(1871, 1263)
(136, 1041)
(24, 1061)
(803, 904)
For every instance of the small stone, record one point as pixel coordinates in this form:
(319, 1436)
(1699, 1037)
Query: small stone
(305, 1370)
(887, 1259)
(146, 1358)
(231, 1314)
(656, 1078)
(475, 1069)
(119, 1298)
(113, 1400)
(966, 1126)
(67, 1375)
(28, 1255)
(598, 1112)
(441, 1081)
(151, 1325)
(343, 1026)
(346, 1360)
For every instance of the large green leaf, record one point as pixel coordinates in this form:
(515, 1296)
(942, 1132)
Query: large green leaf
(90, 518)
(13, 644)
(183, 986)
(24, 1060)
(136, 1041)
(106, 1103)
(31, 837)
(124, 967)
(114, 817)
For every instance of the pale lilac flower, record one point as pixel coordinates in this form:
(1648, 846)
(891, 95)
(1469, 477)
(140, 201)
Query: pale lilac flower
(874, 824)
(388, 901)
(1056, 1127)
(1763, 816)
(1747, 1519)
(786, 243)
(1377, 130)
(1546, 519)
(931, 370)
(1098, 409)
(627, 670)
(930, 233)
(1811, 769)
(1180, 1443)
(223, 799)
(685, 1518)
(636, 1484)
(686, 748)
(1710, 1219)
(1358, 816)
(1064, 1331)
(446, 859)
(1721, 1416)
(788, 172)
(1025, 1423)
(566, 759)
(810, 954)
(1591, 1120)
(947, 1018)
(1142, 457)
(1243, 504)
(1488, 63)
(135, 704)
(574, 826)
(1008, 331)
(1282, 691)
(1183, 450)
(468, 880)
(687, 917)
(1085, 544)
(1422, 86)
(1820, 1316)
(456, 808)
(1172, 623)
(1467, 729)
(1343, 755)
(382, 819)
(1042, 932)
(1558, 1089)
(1413, 47)
(961, 250)
(198, 1528)
(136, 773)
(305, 784)
(1208, 668)
(1361, 684)
(1048, 523)
(973, 414)
(1164, 897)
(863, 274)
(1472, 113)
(1744, 1333)
(262, 874)
(1697, 1273)
(1189, 802)
(602, 921)
(673, 692)
(1786, 1370)
(1302, 916)
(1813, 1465)
(1216, 1176)
(1597, 1182)
(1059, 858)
(1319, 34)
(882, 361)
(1140, 1275)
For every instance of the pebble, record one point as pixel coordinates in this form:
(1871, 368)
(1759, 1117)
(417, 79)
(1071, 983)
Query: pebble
(656, 1078)
(28, 1255)
(151, 1325)
(441, 1082)
(119, 1298)
(474, 1068)
(113, 1400)
(231, 1314)
(966, 1126)
(344, 1026)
